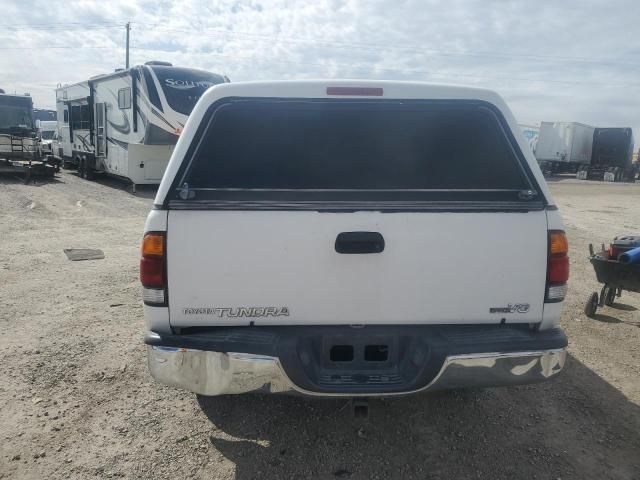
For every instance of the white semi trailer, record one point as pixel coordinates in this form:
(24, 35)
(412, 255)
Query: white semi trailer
(127, 123)
(564, 146)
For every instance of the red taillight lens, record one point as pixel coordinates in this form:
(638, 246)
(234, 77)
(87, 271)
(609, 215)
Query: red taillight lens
(152, 272)
(557, 266)
(558, 271)
(153, 266)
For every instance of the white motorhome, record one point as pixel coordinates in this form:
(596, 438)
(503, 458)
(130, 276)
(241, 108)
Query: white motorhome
(127, 123)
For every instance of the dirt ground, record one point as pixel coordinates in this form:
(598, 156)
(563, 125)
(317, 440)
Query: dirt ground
(76, 400)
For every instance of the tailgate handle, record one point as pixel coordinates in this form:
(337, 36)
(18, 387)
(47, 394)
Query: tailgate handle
(359, 242)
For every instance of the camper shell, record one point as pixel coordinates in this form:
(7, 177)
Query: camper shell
(127, 123)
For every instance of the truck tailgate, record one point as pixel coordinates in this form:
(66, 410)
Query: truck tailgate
(282, 268)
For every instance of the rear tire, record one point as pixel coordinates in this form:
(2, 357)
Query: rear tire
(591, 306)
(81, 166)
(89, 173)
(610, 296)
(617, 175)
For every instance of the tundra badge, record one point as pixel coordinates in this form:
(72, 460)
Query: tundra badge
(515, 308)
(238, 312)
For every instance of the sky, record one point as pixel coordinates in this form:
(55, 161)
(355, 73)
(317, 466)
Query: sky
(574, 60)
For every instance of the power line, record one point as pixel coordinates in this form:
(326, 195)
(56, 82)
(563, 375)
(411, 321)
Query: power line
(339, 44)
(378, 47)
(60, 23)
(362, 68)
(43, 47)
(403, 71)
(46, 26)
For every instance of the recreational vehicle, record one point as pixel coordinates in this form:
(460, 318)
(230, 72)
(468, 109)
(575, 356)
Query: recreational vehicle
(19, 153)
(127, 123)
(17, 128)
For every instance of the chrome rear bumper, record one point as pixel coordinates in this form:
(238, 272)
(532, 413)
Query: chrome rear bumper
(216, 373)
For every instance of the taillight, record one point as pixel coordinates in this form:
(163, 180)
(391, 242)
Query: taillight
(153, 271)
(557, 267)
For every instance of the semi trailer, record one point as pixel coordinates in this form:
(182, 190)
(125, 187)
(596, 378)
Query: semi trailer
(611, 158)
(564, 147)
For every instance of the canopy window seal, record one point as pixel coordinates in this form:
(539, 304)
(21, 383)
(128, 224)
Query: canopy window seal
(383, 207)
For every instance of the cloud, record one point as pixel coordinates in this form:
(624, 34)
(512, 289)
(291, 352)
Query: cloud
(571, 60)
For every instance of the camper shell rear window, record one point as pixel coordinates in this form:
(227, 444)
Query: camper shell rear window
(346, 154)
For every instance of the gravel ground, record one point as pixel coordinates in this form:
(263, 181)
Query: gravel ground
(76, 399)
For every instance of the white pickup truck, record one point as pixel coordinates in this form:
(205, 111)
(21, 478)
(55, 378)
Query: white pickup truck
(348, 238)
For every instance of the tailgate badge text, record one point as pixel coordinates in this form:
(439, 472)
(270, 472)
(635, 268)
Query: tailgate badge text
(230, 312)
(515, 308)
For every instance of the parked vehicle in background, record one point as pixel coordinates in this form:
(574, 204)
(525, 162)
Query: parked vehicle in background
(127, 123)
(612, 156)
(323, 238)
(531, 134)
(563, 147)
(17, 128)
(46, 133)
(18, 140)
(44, 115)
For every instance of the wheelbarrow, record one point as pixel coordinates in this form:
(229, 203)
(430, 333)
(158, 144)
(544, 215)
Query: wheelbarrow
(615, 277)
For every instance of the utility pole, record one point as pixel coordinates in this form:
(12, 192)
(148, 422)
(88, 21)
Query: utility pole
(128, 26)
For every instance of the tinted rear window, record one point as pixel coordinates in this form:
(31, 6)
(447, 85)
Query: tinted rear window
(329, 146)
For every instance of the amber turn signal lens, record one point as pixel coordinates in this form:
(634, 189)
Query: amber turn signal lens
(153, 245)
(558, 244)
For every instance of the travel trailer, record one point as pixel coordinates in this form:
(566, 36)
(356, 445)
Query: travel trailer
(127, 123)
